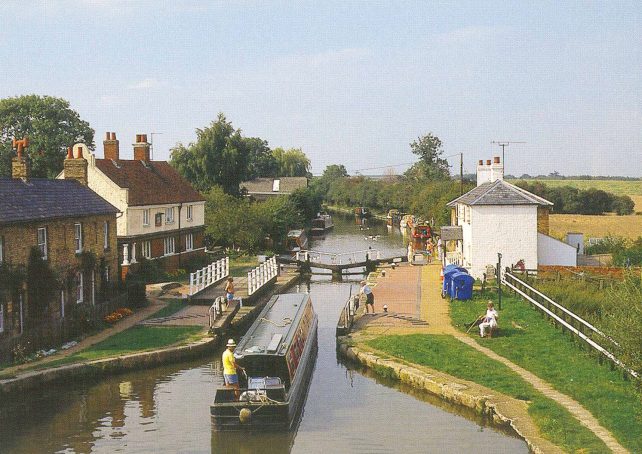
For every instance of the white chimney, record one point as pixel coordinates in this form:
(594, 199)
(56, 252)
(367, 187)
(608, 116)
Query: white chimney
(483, 172)
(497, 169)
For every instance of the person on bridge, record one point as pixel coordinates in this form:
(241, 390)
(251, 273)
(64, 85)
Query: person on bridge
(367, 291)
(230, 376)
(489, 321)
(229, 290)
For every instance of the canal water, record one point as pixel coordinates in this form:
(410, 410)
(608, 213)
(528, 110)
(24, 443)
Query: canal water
(348, 410)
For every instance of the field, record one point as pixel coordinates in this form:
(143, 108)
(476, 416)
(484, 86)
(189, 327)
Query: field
(619, 187)
(596, 226)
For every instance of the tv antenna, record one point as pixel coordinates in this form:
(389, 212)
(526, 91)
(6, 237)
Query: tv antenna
(504, 144)
(151, 142)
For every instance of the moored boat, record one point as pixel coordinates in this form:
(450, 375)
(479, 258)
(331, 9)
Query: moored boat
(296, 241)
(278, 354)
(321, 224)
(363, 212)
(393, 217)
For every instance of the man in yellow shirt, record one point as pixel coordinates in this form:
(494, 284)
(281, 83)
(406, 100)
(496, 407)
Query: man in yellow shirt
(229, 368)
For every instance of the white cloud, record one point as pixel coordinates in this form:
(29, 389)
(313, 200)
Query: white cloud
(146, 84)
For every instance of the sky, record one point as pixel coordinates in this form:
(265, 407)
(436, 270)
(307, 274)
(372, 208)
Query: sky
(349, 82)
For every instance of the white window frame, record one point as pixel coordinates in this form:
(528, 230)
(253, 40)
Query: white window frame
(62, 304)
(106, 235)
(78, 237)
(42, 245)
(169, 245)
(146, 217)
(190, 212)
(80, 287)
(147, 249)
(189, 242)
(169, 215)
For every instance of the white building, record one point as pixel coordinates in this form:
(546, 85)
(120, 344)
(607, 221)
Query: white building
(498, 217)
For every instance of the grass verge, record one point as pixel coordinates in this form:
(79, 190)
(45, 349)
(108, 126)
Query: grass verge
(446, 354)
(134, 340)
(239, 266)
(530, 341)
(172, 307)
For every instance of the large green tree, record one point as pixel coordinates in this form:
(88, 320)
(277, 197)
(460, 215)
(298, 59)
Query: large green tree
(261, 160)
(292, 162)
(220, 156)
(51, 126)
(432, 165)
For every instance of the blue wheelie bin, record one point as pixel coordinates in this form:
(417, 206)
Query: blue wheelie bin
(461, 287)
(448, 274)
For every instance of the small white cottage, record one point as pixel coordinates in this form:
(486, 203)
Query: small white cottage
(499, 217)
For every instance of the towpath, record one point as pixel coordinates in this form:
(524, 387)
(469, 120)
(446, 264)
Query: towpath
(434, 310)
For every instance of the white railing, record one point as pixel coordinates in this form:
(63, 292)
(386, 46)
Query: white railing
(519, 283)
(211, 274)
(261, 275)
(217, 309)
(339, 259)
(453, 258)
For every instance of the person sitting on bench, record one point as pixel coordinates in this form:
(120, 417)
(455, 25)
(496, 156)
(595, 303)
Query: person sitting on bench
(489, 321)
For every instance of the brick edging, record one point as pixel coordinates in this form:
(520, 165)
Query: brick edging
(450, 390)
(108, 366)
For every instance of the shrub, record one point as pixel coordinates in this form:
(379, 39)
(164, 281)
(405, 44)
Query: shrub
(136, 296)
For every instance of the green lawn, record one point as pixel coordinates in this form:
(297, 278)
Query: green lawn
(239, 266)
(544, 350)
(133, 340)
(446, 354)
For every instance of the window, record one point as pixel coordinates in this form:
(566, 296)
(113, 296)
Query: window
(169, 215)
(189, 242)
(146, 217)
(80, 291)
(42, 242)
(62, 304)
(106, 235)
(147, 249)
(78, 237)
(189, 212)
(1, 318)
(169, 245)
(159, 219)
(1, 249)
(107, 274)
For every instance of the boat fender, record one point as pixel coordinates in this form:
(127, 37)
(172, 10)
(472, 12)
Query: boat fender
(245, 415)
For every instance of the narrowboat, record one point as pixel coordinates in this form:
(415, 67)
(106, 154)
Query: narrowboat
(321, 224)
(278, 354)
(393, 217)
(296, 241)
(362, 212)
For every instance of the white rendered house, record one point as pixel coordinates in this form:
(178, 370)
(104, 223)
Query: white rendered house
(500, 218)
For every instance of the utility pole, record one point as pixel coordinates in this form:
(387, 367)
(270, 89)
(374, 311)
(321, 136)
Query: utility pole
(461, 173)
(151, 143)
(504, 144)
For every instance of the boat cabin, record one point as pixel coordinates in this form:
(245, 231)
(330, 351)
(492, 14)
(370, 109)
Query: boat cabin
(296, 241)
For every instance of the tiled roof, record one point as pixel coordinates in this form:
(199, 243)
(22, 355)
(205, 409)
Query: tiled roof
(40, 199)
(150, 183)
(499, 192)
(265, 185)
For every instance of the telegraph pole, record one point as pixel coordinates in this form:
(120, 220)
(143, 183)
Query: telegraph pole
(461, 173)
(504, 144)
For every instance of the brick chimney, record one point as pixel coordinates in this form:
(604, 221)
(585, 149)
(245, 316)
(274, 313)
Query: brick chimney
(75, 164)
(19, 164)
(141, 148)
(111, 147)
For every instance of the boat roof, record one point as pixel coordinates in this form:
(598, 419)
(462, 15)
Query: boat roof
(295, 233)
(272, 331)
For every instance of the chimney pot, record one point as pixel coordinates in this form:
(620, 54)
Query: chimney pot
(111, 147)
(496, 159)
(69, 153)
(19, 164)
(141, 148)
(481, 162)
(107, 135)
(488, 162)
(113, 136)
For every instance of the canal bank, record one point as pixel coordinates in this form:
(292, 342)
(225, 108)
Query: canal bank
(391, 344)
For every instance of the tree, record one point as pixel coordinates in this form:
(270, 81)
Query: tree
(292, 162)
(334, 171)
(431, 164)
(220, 156)
(51, 126)
(261, 160)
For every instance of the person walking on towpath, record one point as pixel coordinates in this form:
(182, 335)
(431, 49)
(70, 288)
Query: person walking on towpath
(229, 290)
(230, 375)
(367, 291)
(489, 321)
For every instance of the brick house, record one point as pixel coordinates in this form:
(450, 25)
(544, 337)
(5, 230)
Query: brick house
(64, 220)
(499, 217)
(163, 215)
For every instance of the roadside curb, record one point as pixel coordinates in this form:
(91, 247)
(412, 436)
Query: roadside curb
(491, 404)
(107, 367)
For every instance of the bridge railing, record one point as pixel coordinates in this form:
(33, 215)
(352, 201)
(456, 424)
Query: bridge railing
(453, 258)
(209, 275)
(344, 258)
(216, 309)
(261, 275)
(564, 318)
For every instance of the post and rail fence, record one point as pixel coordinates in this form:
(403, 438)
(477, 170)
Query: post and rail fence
(261, 275)
(566, 319)
(209, 275)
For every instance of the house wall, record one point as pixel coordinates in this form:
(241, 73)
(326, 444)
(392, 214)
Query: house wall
(508, 229)
(551, 251)
(134, 218)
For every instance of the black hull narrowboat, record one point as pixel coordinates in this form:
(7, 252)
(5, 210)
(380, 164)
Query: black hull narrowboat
(321, 224)
(278, 353)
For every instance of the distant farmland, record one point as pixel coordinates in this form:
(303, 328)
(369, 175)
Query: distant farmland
(596, 226)
(632, 188)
